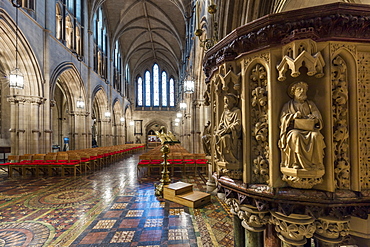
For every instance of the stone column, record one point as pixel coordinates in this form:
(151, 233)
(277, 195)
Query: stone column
(293, 229)
(21, 129)
(35, 125)
(106, 135)
(14, 141)
(254, 222)
(271, 237)
(73, 134)
(239, 235)
(80, 130)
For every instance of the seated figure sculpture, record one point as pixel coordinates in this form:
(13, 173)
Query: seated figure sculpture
(229, 131)
(301, 143)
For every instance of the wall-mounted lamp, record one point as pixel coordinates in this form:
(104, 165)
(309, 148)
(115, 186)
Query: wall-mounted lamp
(208, 42)
(132, 123)
(182, 106)
(16, 76)
(122, 119)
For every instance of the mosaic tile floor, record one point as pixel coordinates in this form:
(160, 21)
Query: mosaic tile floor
(107, 208)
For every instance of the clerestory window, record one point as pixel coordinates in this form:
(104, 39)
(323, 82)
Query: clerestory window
(69, 24)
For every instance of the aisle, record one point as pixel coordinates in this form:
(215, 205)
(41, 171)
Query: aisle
(108, 208)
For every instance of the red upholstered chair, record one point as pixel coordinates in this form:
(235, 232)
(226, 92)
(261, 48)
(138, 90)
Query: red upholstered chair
(72, 166)
(201, 162)
(6, 167)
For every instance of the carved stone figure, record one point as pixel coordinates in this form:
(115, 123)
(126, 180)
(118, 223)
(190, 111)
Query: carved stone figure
(206, 139)
(229, 130)
(301, 142)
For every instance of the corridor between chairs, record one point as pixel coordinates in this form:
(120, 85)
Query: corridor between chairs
(107, 208)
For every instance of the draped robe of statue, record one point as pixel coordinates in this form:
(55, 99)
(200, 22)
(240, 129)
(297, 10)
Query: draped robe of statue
(301, 149)
(228, 134)
(206, 139)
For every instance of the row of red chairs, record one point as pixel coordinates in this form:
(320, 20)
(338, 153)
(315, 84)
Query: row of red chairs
(191, 162)
(73, 162)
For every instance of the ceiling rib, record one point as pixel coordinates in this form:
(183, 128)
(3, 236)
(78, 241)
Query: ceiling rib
(149, 28)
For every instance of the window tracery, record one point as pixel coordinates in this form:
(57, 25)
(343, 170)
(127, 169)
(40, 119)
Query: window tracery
(155, 89)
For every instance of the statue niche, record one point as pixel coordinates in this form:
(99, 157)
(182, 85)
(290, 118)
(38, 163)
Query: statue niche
(301, 143)
(227, 138)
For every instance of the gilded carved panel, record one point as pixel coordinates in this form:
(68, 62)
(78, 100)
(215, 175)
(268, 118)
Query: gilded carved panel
(363, 89)
(340, 123)
(259, 124)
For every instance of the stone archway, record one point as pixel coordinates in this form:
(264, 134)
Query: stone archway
(118, 128)
(101, 124)
(23, 114)
(69, 123)
(150, 129)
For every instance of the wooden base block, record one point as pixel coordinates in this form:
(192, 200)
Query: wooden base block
(183, 193)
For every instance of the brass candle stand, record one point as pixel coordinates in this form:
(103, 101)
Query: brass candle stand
(167, 139)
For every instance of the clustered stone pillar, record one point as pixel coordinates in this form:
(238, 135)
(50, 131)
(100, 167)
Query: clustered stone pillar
(25, 128)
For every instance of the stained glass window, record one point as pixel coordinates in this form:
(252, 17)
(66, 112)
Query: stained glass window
(147, 89)
(172, 92)
(164, 88)
(154, 89)
(155, 85)
(140, 91)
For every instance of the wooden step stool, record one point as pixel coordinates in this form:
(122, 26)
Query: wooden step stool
(183, 193)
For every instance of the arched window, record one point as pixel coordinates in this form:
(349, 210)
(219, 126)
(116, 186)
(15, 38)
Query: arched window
(155, 89)
(172, 92)
(155, 85)
(100, 44)
(69, 24)
(117, 68)
(140, 91)
(147, 89)
(164, 88)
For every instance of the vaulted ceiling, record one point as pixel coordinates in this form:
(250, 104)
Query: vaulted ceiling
(149, 31)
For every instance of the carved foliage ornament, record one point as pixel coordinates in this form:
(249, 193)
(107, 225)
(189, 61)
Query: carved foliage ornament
(331, 230)
(364, 118)
(293, 229)
(259, 123)
(340, 119)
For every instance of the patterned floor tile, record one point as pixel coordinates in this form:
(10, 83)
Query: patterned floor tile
(107, 208)
(122, 237)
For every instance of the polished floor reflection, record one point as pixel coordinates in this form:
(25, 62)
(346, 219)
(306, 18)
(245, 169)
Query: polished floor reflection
(107, 208)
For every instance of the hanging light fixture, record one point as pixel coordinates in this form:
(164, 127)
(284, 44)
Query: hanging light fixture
(80, 104)
(122, 119)
(189, 86)
(107, 113)
(16, 76)
(182, 106)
